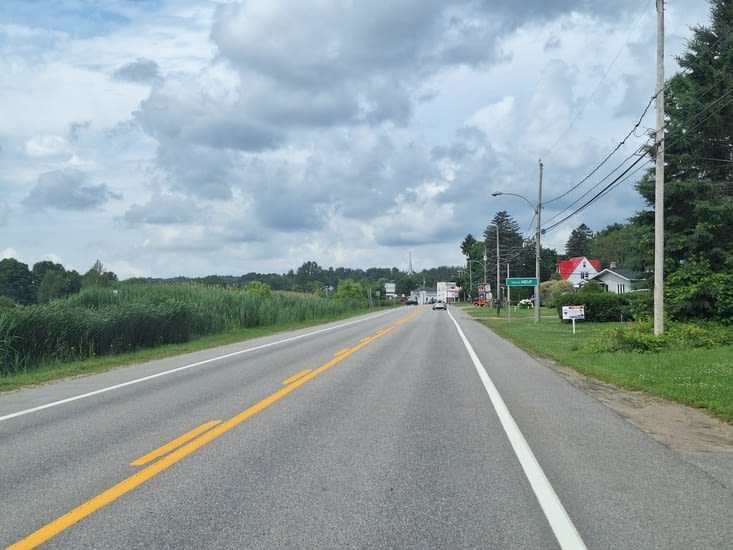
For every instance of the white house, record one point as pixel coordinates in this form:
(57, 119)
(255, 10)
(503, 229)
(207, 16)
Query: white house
(447, 292)
(578, 270)
(617, 280)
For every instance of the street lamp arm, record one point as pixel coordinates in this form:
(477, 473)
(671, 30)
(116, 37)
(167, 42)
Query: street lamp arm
(525, 199)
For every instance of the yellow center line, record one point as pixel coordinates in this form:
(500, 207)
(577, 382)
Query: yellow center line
(84, 510)
(295, 377)
(177, 442)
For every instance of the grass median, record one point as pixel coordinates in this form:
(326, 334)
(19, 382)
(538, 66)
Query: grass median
(699, 377)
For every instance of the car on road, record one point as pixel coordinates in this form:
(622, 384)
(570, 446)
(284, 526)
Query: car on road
(440, 305)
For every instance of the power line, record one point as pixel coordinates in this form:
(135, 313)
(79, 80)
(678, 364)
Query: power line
(699, 96)
(634, 154)
(601, 81)
(624, 176)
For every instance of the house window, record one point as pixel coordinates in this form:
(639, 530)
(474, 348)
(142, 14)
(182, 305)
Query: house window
(583, 275)
(620, 288)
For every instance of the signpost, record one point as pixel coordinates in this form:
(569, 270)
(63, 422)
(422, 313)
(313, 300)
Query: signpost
(521, 281)
(573, 312)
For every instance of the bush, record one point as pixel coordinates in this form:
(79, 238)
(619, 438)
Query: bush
(639, 337)
(258, 288)
(694, 292)
(550, 291)
(599, 307)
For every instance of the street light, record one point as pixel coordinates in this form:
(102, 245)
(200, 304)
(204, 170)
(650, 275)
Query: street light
(537, 210)
(498, 285)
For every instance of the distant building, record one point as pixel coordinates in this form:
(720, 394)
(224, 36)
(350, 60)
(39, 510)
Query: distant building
(578, 270)
(447, 292)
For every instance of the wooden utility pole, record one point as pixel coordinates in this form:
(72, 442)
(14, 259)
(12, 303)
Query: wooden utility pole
(537, 252)
(659, 180)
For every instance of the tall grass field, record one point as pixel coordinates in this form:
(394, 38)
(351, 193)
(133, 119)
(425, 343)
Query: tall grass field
(103, 321)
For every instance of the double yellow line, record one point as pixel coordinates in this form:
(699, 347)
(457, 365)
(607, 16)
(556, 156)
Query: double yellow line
(167, 455)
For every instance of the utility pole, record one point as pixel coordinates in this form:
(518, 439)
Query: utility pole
(498, 283)
(485, 260)
(659, 180)
(470, 278)
(537, 303)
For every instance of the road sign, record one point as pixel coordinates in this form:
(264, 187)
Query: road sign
(573, 312)
(521, 281)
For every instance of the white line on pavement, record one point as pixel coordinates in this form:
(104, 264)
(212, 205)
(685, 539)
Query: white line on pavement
(565, 532)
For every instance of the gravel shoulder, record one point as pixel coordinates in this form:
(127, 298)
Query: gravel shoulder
(675, 425)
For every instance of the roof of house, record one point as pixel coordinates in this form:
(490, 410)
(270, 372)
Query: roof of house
(567, 267)
(628, 274)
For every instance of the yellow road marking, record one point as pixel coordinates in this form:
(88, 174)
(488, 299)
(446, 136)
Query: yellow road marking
(62, 523)
(177, 442)
(295, 377)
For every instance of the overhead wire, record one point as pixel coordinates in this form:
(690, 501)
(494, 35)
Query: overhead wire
(602, 79)
(638, 152)
(699, 96)
(623, 177)
(710, 109)
(642, 152)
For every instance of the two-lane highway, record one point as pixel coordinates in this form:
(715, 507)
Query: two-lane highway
(408, 428)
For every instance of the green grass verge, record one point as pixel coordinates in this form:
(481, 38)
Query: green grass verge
(700, 377)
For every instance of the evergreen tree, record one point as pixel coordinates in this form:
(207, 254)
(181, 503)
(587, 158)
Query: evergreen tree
(511, 246)
(698, 203)
(579, 242)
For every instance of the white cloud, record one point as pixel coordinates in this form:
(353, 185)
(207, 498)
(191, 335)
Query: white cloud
(43, 146)
(191, 138)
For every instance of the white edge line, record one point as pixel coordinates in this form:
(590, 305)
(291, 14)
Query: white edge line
(184, 367)
(565, 532)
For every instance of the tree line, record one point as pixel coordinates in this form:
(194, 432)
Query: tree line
(46, 280)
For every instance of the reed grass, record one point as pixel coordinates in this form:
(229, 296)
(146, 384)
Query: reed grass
(102, 321)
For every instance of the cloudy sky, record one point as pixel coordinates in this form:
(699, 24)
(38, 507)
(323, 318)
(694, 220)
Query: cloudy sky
(191, 137)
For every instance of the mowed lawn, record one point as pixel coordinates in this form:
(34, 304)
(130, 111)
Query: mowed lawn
(697, 377)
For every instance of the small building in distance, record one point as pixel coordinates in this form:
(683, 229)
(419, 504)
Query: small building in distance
(447, 292)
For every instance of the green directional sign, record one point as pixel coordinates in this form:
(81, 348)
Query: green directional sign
(521, 281)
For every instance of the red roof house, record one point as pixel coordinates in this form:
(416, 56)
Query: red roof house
(578, 270)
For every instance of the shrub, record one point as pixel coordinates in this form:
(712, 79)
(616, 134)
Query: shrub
(550, 291)
(257, 288)
(639, 337)
(694, 292)
(599, 306)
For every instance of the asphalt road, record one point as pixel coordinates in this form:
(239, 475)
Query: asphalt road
(407, 428)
